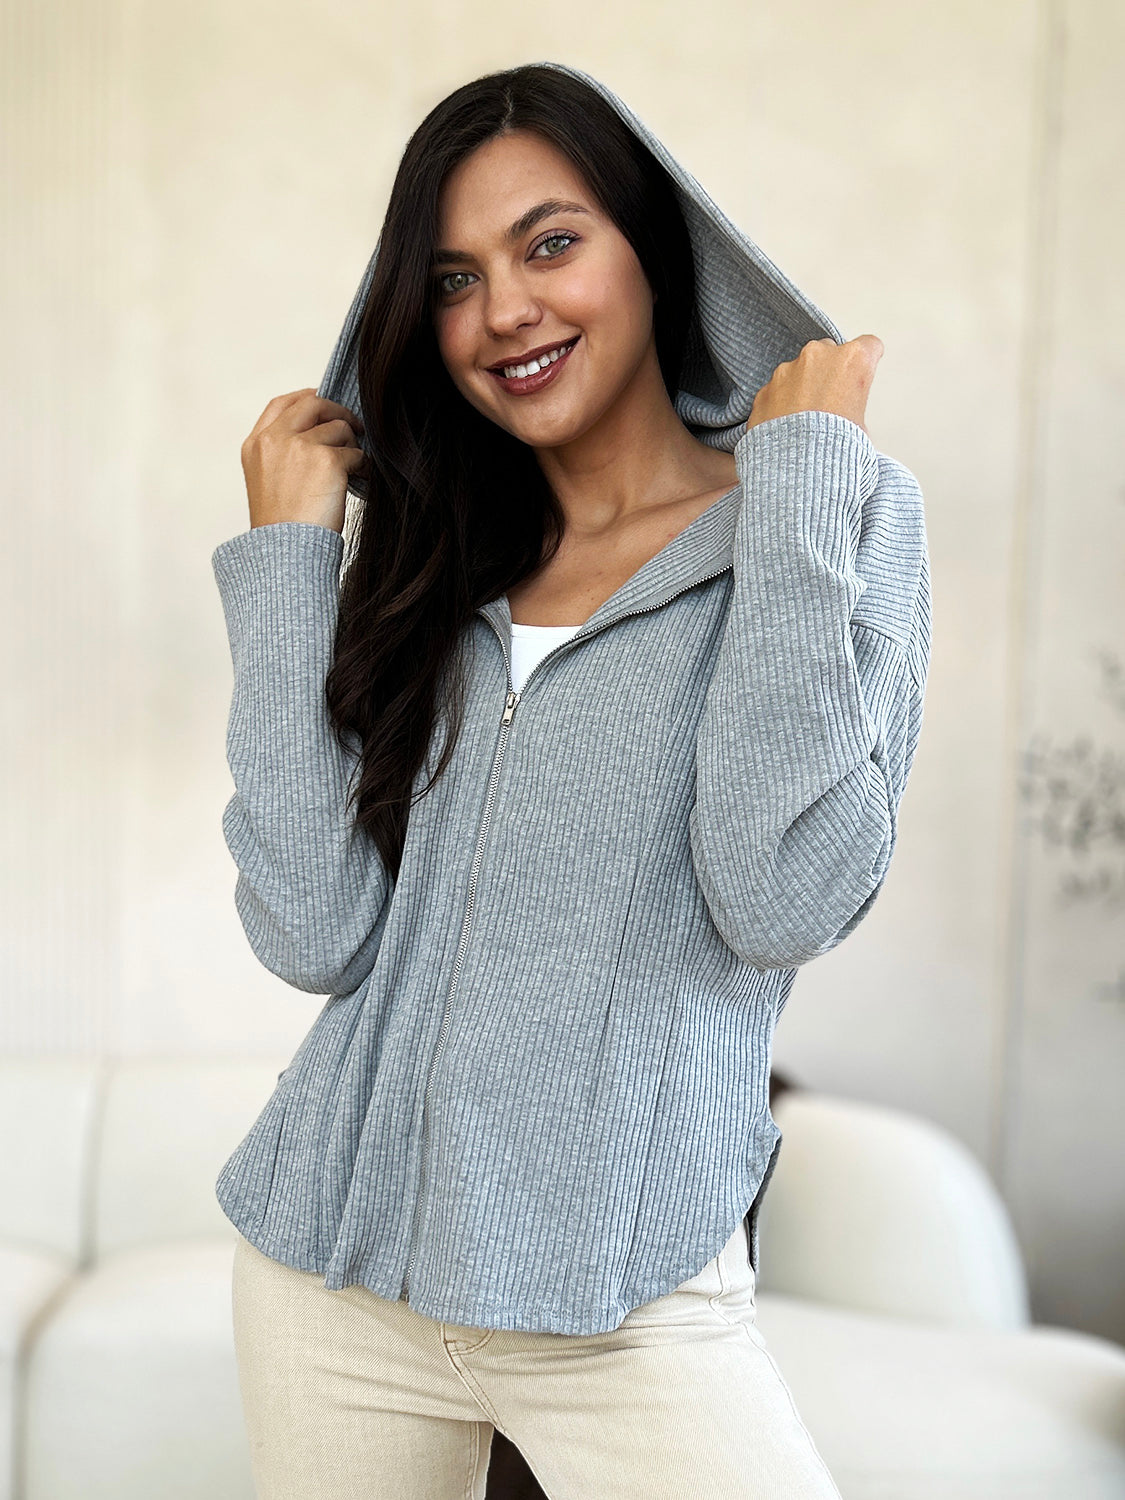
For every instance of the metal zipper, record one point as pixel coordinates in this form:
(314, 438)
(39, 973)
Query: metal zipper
(509, 709)
(510, 702)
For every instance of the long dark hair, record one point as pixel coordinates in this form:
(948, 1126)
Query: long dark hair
(458, 510)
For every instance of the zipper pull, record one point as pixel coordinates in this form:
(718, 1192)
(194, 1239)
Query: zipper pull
(510, 708)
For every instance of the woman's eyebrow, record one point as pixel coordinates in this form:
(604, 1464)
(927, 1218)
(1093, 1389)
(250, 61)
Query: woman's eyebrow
(517, 231)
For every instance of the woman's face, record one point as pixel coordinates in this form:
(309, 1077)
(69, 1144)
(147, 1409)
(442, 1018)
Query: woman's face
(506, 285)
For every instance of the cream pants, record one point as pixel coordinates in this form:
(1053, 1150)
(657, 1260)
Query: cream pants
(349, 1396)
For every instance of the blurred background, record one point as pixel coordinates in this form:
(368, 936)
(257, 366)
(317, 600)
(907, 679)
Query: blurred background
(190, 195)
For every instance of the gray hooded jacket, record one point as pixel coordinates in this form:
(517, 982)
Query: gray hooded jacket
(537, 1094)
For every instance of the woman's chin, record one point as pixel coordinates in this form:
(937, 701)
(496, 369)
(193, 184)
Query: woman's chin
(542, 429)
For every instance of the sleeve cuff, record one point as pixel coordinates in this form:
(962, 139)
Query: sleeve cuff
(805, 476)
(288, 549)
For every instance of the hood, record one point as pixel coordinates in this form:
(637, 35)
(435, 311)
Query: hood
(748, 316)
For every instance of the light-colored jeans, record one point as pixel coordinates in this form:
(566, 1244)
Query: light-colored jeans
(349, 1396)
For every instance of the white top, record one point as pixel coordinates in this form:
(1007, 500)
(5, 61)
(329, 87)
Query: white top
(530, 643)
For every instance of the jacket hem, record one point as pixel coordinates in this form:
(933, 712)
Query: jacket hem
(485, 1313)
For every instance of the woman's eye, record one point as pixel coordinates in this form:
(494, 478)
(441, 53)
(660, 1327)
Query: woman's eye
(570, 238)
(451, 291)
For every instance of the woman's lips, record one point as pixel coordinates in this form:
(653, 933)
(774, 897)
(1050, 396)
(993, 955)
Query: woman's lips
(515, 386)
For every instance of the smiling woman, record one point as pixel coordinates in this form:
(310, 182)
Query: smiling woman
(516, 373)
(525, 216)
(511, 1180)
(563, 279)
(547, 327)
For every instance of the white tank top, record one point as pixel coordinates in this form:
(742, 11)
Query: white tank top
(530, 643)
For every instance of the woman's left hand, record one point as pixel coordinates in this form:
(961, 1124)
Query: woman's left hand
(825, 376)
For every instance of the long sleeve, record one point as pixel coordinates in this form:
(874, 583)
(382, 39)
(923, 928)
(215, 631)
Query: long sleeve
(312, 889)
(813, 713)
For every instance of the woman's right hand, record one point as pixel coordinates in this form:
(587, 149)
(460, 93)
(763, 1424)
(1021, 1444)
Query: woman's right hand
(297, 459)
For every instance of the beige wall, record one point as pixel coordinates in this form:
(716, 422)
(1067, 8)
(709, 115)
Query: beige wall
(189, 197)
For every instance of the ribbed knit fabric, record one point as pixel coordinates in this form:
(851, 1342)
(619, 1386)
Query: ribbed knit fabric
(537, 1094)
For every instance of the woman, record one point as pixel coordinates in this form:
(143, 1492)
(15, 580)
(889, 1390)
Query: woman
(599, 732)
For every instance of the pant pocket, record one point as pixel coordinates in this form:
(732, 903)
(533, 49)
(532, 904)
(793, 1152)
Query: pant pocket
(690, 1301)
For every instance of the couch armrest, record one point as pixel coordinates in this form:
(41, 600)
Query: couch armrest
(878, 1210)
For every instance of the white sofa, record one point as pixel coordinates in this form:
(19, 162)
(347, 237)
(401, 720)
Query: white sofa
(891, 1295)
